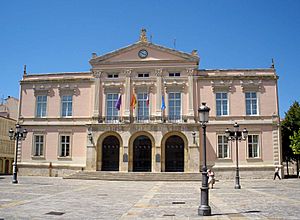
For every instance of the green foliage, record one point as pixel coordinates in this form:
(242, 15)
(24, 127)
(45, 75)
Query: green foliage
(290, 124)
(295, 142)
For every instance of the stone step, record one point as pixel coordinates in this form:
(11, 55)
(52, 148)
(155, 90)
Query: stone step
(135, 176)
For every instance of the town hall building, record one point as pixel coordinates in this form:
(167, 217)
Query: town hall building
(136, 110)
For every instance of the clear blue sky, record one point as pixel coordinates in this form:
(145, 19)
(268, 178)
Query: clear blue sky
(60, 35)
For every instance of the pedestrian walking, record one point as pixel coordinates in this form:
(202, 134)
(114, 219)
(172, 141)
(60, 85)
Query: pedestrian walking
(211, 178)
(276, 173)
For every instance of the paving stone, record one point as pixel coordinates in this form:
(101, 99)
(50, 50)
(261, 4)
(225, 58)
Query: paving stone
(36, 197)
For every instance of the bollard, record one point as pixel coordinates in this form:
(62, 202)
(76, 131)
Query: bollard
(50, 169)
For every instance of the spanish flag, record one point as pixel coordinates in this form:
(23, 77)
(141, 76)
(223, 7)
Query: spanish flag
(133, 101)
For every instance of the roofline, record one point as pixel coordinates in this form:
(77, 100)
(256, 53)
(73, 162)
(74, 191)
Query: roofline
(55, 74)
(11, 97)
(237, 70)
(8, 118)
(110, 54)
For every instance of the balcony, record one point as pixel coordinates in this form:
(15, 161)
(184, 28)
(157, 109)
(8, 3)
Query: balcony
(143, 119)
(110, 119)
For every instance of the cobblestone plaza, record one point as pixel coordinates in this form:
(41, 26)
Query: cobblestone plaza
(57, 198)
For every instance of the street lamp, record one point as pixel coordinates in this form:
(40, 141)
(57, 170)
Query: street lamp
(194, 137)
(204, 209)
(16, 135)
(236, 136)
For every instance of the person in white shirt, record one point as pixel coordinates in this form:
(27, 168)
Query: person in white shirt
(276, 174)
(211, 178)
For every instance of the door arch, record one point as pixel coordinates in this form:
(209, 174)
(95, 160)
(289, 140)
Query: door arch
(110, 154)
(142, 154)
(174, 154)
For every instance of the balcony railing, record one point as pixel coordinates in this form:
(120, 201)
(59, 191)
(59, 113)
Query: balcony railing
(110, 119)
(143, 119)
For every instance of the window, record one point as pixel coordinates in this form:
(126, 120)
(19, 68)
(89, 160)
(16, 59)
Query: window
(143, 106)
(111, 111)
(174, 106)
(174, 74)
(38, 145)
(251, 103)
(223, 150)
(66, 106)
(222, 103)
(143, 75)
(64, 146)
(112, 75)
(41, 106)
(253, 146)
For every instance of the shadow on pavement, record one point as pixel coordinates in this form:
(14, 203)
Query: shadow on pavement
(237, 213)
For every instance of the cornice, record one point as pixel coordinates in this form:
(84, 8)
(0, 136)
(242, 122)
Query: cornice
(55, 121)
(236, 70)
(143, 62)
(236, 77)
(58, 74)
(59, 80)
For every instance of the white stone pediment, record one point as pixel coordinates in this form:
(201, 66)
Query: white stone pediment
(155, 53)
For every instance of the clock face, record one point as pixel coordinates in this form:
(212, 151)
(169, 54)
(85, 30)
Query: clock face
(143, 53)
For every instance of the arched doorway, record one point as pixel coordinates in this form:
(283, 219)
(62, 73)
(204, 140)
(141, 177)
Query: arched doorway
(174, 154)
(110, 154)
(142, 154)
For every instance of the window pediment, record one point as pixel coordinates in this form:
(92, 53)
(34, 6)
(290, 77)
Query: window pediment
(113, 86)
(251, 85)
(143, 85)
(222, 85)
(67, 89)
(43, 90)
(175, 85)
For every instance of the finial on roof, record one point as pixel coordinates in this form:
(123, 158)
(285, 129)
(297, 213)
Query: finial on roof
(25, 73)
(195, 53)
(273, 64)
(143, 36)
(94, 55)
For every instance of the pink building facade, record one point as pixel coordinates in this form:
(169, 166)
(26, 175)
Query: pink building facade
(136, 110)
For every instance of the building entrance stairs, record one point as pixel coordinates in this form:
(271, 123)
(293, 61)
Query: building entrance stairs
(135, 176)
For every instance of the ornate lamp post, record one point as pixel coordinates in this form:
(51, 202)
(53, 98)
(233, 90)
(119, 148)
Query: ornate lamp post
(204, 209)
(236, 136)
(17, 135)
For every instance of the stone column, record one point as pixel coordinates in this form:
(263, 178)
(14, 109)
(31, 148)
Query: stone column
(157, 156)
(158, 73)
(190, 93)
(97, 74)
(125, 151)
(127, 93)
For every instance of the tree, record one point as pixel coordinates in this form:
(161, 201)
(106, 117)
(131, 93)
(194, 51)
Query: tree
(295, 146)
(289, 124)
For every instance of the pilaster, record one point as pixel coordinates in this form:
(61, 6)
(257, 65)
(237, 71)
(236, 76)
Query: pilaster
(97, 74)
(159, 92)
(127, 92)
(190, 93)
